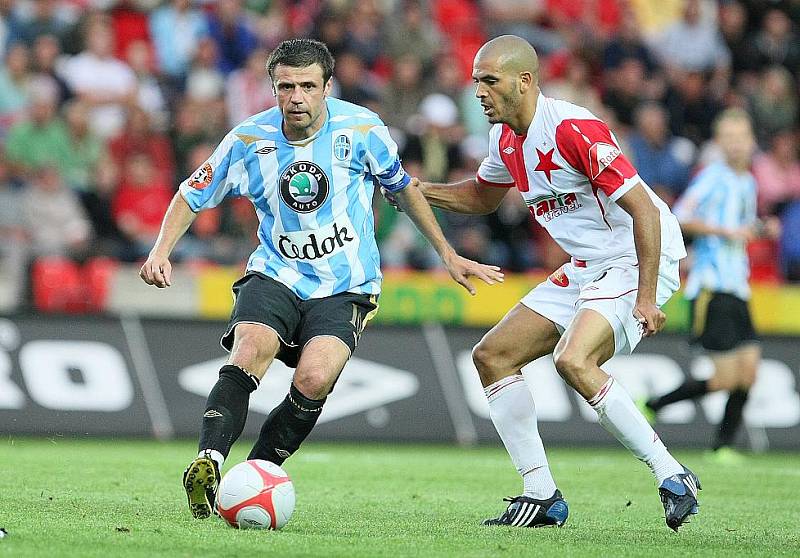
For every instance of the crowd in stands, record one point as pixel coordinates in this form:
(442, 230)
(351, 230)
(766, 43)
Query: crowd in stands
(107, 105)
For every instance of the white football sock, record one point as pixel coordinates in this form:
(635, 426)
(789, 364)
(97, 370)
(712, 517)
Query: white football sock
(513, 413)
(621, 418)
(213, 454)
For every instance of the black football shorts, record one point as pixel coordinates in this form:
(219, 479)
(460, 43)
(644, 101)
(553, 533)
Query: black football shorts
(262, 300)
(721, 321)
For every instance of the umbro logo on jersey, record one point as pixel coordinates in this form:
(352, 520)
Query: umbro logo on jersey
(266, 150)
(508, 150)
(601, 155)
(212, 413)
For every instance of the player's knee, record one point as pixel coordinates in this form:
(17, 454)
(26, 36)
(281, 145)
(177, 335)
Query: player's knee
(569, 364)
(487, 362)
(314, 383)
(252, 348)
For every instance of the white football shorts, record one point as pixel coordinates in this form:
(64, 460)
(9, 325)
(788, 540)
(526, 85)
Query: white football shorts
(606, 287)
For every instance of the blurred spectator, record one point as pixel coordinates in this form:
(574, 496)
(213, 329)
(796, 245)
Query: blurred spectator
(149, 94)
(14, 77)
(693, 43)
(138, 137)
(601, 20)
(190, 129)
(365, 31)
(733, 26)
(139, 204)
(103, 82)
(83, 148)
(231, 30)
(249, 89)
(40, 139)
(625, 93)
(45, 19)
(46, 52)
(404, 92)
(777, 43)
(656, 15)
(663, 161)
(129, 22)
(55, 221)
(413, 32)
(350, 82)
(691, 107)
(98, 200)
(777, 173)
(774, 104)
(436, 147)
(628, 43)
(790, 247)
(13, 249)
(525, 18)
(176, 29)
(576, 86)
(205, 82)
(331, 29)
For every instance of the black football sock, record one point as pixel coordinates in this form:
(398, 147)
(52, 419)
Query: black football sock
(286, 427)
(226, 409)
(687, 390)
(732, 418)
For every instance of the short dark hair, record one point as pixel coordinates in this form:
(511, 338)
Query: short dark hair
(299, 53)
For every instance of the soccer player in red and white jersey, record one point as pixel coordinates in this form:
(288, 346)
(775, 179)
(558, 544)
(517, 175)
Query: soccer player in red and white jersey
(625, 247)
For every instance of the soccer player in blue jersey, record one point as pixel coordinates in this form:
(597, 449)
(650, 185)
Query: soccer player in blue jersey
(308, 167)
(719, 210)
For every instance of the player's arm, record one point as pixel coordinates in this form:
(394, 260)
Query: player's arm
(157, 270)
(206, 188)
(479, 195)
(468, 196)
(647, 239)
(589, 147)
(461, 269)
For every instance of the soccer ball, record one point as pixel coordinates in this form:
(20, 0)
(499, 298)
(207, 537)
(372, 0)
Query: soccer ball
(255, 494)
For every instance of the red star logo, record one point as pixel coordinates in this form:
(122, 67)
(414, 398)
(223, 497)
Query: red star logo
(546, 163)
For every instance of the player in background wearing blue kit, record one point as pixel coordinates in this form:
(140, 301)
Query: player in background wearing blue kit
(308, 167)
(719, 210)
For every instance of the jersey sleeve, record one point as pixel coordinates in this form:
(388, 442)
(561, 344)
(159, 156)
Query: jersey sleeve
(217, 178)
(696, 203)
(493, 172)
(590, 148)
(383, 161)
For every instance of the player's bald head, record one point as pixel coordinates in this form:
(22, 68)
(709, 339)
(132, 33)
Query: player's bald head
(510, 54)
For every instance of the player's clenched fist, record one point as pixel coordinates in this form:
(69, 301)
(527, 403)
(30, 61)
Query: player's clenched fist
(157, 271)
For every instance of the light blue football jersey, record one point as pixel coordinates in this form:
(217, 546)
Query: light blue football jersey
(720, 197)
(313, 197)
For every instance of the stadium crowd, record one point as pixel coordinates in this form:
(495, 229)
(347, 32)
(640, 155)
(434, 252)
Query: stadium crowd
(105, 106)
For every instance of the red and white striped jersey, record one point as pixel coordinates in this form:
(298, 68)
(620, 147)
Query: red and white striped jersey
(570, 171)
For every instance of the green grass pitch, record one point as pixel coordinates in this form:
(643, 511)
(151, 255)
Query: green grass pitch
(120, 498)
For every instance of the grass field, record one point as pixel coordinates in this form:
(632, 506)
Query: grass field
(124, 498)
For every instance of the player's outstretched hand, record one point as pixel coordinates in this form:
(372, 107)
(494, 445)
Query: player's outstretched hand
(157, 271)
(650, 316)
(461, 269)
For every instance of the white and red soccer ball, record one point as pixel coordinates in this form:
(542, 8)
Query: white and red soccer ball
(255, 494)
